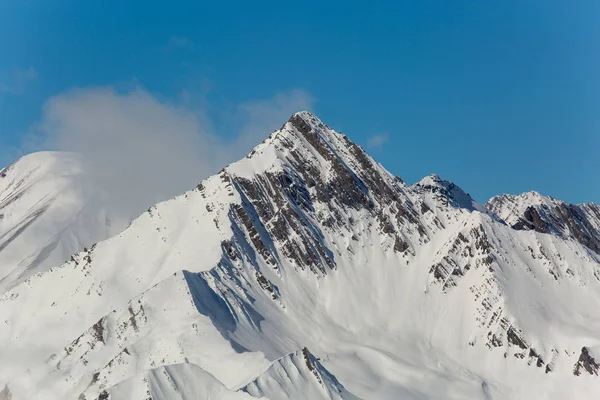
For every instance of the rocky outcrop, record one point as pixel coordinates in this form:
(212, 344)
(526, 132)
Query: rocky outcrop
(587, 362)
(531, 220)
(533, 211)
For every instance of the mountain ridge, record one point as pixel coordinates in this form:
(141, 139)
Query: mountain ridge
(533, 211)
(309, 242)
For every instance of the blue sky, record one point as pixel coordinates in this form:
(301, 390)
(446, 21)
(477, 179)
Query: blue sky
(497, 96)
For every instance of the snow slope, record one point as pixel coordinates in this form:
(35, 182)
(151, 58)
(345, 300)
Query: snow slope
(46, 214)
(400, 291)
(179, 381)
(298, 375)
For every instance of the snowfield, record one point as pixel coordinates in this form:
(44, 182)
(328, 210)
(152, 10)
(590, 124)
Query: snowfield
(303, 271)
(47, 213)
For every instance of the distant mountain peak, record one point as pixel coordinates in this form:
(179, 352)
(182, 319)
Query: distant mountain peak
(305, 115)
(531, 197)
(432, 180)
(545, 214)
(448, 192)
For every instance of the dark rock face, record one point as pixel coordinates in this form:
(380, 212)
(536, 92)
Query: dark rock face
(532, 220)
(469, 250)
(586, 363)
(400, 246)
(278, 203)
(383, 192)
(310, 364)
(514, 338)
(534, 357)
(278, 208)
(579, 226)
(355, 185)
(103, 396)
(299, 123)
(344, 187)
(98, 330)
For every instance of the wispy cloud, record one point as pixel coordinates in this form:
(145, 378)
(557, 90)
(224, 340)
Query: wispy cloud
(16, 81)
(377, 141)
(257, 119)
(29, 73)
(142, 150)
(179, 42)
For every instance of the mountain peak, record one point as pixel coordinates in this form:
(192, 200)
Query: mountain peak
(433, 180)
(301, 121)
(304, 114)
(323, 158)
(447, 192)
(306, 122)
(529, 197)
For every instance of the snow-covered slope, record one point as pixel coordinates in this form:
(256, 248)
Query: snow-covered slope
(300, 376)
(548, 215)
(399, 291)
(46, 214)
(172, 382)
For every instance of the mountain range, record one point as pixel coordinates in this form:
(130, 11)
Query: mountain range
(303, 271)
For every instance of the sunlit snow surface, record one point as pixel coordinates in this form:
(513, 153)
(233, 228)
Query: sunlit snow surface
(47, 213)
(307, 271)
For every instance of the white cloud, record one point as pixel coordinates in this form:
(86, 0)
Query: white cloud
(29, 73)
(257, 119)
(16, 82)
(142, 150)
(377, 141)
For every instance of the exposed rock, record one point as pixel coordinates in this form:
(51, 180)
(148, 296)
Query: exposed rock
(299, 123)
(586, 362)
(98, 330)
(103, 395)
(535, 357)
(514, 337)
(400, 246)
(532, 211)
(308, 359)
(531, 220)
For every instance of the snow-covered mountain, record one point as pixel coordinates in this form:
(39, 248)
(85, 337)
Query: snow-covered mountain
(532, 211)
(47, 213)
(398, 291)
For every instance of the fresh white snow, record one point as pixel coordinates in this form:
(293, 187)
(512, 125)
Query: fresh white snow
(47, 213)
